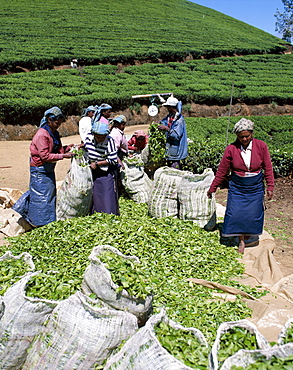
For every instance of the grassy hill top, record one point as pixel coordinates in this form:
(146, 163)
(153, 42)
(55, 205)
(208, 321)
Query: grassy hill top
(38, 35)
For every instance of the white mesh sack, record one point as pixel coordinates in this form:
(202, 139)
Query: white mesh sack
(262, 343)
(288, 326)
(244, 358)
(136, 182)
(25, 256)
(193, 201)
(97, 279)
(163, 200)
(79, 335)
(74, 198)
(22, 320)
(144, 351)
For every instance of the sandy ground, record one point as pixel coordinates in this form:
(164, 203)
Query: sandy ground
(14, 160)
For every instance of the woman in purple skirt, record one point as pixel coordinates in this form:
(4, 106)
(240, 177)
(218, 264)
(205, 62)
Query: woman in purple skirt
(102, 155)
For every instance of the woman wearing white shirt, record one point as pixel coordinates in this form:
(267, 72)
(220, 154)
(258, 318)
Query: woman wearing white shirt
(85, 124)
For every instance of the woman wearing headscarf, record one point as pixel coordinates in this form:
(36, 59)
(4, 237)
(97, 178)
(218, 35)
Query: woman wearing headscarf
(248, 160)
(46, 149)
(102, 155)
(138, 141)
(103, 113)
(85, 124)
(176, 136)
(117, 133)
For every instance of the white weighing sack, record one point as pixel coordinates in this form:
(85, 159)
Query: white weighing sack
(97, 280)
(163, 200)
(136, 182)
(22, 319)
(244, 358)
(144, 351)
(74, 198)
(193, 201)
(79, 335)
(288, 325)
(262, 343)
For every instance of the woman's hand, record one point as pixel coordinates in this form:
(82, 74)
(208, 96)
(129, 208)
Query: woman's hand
(163, 128)
(121, 163)
(209, 194)
(68, 155)
(269, 194)
(93, 165)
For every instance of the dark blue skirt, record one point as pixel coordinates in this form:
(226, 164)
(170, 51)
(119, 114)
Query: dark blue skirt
(105, 195)
(245, 209)
(42, 200)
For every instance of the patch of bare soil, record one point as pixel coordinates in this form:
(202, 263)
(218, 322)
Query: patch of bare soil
(278, 221)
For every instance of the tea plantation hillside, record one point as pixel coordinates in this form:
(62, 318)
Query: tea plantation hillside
(38, 35)
(257, 79)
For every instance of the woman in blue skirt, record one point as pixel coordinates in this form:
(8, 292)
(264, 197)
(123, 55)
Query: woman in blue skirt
(38, 205)
(102, 155)
(248, 160)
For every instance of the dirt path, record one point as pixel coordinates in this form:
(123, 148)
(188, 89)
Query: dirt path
(14, 160)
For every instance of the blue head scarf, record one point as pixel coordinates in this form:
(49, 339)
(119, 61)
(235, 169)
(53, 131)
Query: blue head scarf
(90, 108)
(53, 112)
(100, 128)
(119, 119)
(99, 110)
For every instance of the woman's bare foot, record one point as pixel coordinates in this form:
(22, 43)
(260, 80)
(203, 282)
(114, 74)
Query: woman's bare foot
(241, 246)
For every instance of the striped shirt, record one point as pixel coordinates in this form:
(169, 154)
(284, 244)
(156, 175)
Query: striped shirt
(101, 151)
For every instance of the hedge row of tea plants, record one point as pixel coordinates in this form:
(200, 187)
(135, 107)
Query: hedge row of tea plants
(257, 79)
(42, 34)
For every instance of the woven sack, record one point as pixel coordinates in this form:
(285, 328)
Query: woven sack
(79, 335)
(262, 343)
(288, 325)
(22, 319)
(97, 280)
(193, 201)
(74, 198)
(144, 351)
(163, 200)
(244, 358)
(136, 182)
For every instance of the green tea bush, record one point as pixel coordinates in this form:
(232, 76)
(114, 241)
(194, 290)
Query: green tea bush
(261, 78)
(39, 35)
